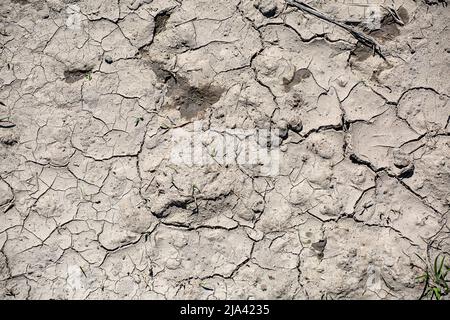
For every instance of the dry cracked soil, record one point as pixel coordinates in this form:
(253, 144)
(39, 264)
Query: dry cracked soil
(93, 204)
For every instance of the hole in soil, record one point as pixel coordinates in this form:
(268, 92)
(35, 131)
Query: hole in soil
(403, 14)
(407, 173)
(161, 21)
(320, 245)
(75, 75)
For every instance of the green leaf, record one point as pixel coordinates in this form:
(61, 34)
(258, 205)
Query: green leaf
(437, 292)
(441, 265)
(426, 290)
(435, 264)
(422, 277)
(445, 285)
(420, 258)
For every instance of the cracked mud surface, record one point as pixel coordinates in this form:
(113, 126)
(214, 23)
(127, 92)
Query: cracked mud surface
(91, 207)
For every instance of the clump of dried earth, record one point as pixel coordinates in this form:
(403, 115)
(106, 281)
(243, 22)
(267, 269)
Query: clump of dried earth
(91, 205)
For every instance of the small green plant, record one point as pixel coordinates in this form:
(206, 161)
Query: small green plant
(436, 282)
(88, 76)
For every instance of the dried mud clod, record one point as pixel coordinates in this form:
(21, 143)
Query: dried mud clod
(268, 8)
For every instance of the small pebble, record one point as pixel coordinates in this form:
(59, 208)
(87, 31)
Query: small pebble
(296, 124)
(108, 60)
(283, 129)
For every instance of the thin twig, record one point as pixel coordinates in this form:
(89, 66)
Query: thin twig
(361, 37)
(394, 15)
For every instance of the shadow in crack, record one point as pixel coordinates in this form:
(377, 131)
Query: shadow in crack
(71, 76)
(161, 21)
